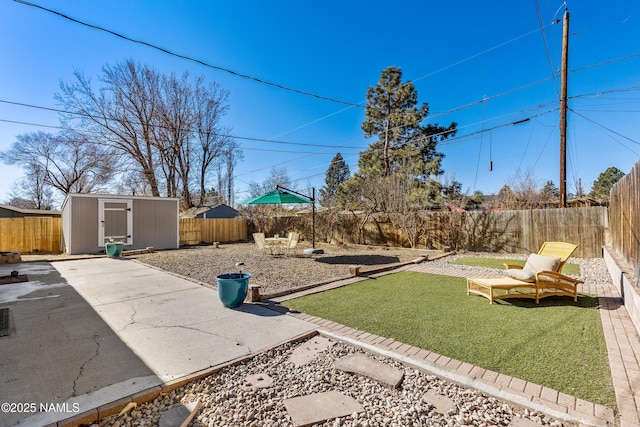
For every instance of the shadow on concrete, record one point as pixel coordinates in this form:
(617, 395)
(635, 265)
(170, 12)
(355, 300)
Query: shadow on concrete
(359, 259)
(58, 348)
(257, 310)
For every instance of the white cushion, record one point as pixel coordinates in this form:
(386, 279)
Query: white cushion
(534, 264)
(524, 275)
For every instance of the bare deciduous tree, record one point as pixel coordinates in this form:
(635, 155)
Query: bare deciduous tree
(520, 192)
(122, 114)
(32, 191)
(167, 128)
(176, 120)
(210, 104)
(67, 162)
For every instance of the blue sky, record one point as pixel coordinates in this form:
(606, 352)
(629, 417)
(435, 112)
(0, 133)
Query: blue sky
(483, 65)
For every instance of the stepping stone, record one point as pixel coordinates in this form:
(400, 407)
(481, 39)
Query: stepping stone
(360, 364)
(256, 381)
(308, 351)
(523, 422)
(442, 403)
(319, 407)
(179, 415)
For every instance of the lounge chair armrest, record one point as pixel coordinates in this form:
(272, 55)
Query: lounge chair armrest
(553, 275)
(516, 266)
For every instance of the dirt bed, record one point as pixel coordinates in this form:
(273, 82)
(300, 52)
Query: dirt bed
(276, 273)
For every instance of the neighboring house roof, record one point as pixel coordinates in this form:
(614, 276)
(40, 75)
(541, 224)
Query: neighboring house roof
(212, 211)
(454, 208)
(8, 211)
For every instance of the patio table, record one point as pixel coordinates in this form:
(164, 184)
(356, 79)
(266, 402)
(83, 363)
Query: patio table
(277, 244)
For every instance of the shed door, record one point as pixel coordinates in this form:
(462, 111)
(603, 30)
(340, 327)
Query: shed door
(116, 221)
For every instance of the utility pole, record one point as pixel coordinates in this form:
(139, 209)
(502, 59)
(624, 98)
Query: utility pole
(563, 110)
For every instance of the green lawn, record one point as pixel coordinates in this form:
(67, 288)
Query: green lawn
(499, 263)
(557, 343)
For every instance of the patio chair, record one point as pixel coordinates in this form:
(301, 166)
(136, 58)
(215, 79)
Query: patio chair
(261, 243)
(544, 268)
(292, 243)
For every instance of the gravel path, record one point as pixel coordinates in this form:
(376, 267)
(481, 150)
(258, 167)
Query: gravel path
(276, 273)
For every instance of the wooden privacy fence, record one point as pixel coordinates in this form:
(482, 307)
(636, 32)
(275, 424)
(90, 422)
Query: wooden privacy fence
(517, 231)
(624, 217)
(31, 234)
(208, 230)
(502, 231)
(527, 230)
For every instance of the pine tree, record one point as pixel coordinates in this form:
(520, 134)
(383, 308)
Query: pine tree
(337, 173)
(605, 181)
(403, 145)
(550, 191)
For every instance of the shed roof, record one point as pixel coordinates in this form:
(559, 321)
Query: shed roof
(199, 210)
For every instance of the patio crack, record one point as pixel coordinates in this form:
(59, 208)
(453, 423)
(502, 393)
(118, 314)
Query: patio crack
(193, 328)
(83, 366)
(132, 317)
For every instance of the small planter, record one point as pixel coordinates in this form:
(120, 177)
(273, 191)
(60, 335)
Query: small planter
(114, 250)
(232, 288)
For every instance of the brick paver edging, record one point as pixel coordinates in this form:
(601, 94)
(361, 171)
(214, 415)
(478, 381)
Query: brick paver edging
(514, 390)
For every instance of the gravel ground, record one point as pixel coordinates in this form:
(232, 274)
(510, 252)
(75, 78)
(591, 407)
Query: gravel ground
(225, 402)
(276, 273)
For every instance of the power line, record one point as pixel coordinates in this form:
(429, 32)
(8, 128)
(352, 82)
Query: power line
(488, 98)
(450, 141)
(606, 128)
(605, 92)
(188, 58)
(231, 136)
(473, 56)
(611, 61)
(246, 138)
(546, 46)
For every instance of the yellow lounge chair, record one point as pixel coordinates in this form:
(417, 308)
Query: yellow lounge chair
(544, 268)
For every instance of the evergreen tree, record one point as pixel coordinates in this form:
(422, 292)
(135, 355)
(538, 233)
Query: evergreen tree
(550, 191)
(403, 144)
(337, 173)
(605, 181)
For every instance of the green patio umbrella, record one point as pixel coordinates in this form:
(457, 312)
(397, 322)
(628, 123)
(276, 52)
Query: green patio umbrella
(283, 195)
(277, 197)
